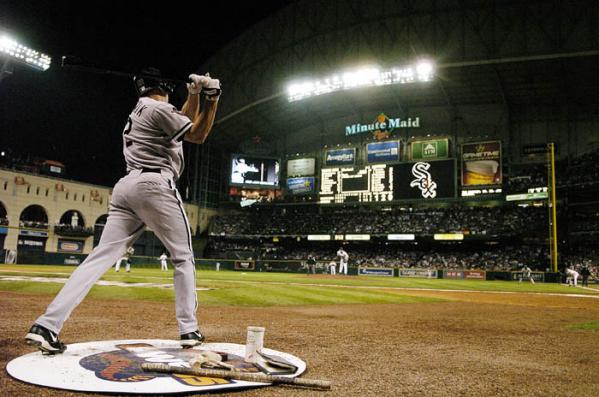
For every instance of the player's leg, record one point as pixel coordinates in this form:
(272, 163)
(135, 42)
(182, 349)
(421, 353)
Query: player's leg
(122, 228)
(162, 210)
(128, 265)
(117, 267)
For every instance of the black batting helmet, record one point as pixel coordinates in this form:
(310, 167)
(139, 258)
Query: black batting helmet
(149, 79)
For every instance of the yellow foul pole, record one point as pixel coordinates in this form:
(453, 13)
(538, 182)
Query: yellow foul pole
(552, 207)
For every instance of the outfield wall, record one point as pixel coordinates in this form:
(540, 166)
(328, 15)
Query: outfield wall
(296, 266)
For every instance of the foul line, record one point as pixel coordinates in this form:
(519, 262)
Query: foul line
(61, 280)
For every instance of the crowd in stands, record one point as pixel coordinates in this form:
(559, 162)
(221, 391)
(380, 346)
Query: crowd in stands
(33, 224)
(70, 230)
(583, 170)
(528, 176)
(504, 221)
(506, 258)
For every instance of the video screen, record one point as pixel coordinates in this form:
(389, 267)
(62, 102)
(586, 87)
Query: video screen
(251, 170)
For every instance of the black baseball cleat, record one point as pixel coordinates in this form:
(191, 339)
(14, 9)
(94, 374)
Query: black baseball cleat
(192, 339)
(45, 340)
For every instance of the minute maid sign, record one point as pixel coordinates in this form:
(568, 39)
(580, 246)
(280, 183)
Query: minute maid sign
(382, 126)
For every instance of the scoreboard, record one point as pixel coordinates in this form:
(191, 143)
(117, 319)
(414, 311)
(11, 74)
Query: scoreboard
(356, 184)
(427, 180)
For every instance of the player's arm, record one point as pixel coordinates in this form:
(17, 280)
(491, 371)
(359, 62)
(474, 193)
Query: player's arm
(203, 122)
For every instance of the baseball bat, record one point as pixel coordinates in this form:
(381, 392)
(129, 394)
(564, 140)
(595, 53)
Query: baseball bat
(247, 376)
(73, 63)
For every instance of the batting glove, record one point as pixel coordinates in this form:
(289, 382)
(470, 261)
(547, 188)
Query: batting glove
(212, 90)
(197, 82)
(193, 89)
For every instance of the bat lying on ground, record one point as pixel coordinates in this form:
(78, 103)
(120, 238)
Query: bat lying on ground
(247, 376)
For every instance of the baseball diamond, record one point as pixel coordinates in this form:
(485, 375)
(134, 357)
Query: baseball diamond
(296, 197)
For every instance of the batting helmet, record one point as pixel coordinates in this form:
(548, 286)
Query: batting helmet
(149, 79)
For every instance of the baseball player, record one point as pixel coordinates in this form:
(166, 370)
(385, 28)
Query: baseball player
(146, 196)
(342, 261)
(127, 259)
(572, 277)
(163, 259)
(332, 267)
(526, 274)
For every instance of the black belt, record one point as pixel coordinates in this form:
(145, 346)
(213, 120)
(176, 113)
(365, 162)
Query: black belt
(157, 170)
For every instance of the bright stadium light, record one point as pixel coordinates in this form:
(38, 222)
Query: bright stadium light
(369, 76)
(18, 52)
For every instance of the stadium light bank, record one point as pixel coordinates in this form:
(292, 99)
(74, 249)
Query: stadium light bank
(370, 76)
(11, 49)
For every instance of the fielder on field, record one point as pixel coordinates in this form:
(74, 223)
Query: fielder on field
(125, 258)
(163, 259)
(526, 274)
(333, 267)
(343, 258)
(146, 196)
(572, 277)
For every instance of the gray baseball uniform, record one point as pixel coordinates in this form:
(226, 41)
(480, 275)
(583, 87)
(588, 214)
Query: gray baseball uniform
(146, 196)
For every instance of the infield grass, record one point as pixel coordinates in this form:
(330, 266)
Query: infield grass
(591, 325)
(231, 288)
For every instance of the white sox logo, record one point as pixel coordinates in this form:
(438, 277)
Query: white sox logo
(424, 180)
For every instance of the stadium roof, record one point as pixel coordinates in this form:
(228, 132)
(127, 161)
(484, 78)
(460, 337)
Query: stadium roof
(510, 54)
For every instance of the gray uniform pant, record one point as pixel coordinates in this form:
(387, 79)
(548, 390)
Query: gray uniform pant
(138, 199)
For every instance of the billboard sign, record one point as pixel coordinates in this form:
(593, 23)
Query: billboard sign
(301, 167)
(375, 271)
(481, 163)
(70, 245)
(301, 185)
(383, 152)
(418, 273)
(424, 180)
(429, 149)
(340, 156)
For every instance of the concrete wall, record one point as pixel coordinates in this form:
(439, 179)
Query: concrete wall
(19, 190)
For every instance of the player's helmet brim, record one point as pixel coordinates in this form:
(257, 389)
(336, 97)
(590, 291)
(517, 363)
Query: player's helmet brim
(149, 79)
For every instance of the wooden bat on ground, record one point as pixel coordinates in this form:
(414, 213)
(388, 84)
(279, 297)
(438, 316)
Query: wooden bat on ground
(247, 376)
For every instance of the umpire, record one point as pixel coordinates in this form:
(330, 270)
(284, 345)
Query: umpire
(585, 273)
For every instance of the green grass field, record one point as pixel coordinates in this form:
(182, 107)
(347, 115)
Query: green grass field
(230, 288)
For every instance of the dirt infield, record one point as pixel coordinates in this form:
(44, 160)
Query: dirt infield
(473, 344)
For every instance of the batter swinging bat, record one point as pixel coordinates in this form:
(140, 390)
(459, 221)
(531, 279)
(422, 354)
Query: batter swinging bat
(247, 376)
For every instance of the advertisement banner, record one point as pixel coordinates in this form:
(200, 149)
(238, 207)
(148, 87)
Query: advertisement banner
(301, 167)
(424, 180)
(383, 152)
(481, 163)
(537, 276)
(429, 149)
(453, 274)
(244, 265)
(418, 273)
(475, 274)
(70, 245)
(300, 185)
(72, 260)
(375, 271)
(340, 156)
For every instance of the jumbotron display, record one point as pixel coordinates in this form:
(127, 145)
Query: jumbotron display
(254, 171)
(427, 180)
